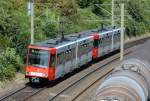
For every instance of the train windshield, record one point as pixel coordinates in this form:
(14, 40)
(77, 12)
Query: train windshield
(38, 58)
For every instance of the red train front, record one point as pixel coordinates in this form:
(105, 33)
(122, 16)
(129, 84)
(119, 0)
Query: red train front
(40, 63)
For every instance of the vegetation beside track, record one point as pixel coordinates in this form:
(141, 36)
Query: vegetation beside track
(10, 63)
(54, 17)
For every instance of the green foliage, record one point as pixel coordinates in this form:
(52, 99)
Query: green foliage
(137, 24)
(7, 73)
(87, 19)
(9, 56)
(46, 24)
(87, 3)
(83, 3)
(5, 42)
(95, 4)
(65, 7)
(135, 11)
(14, 23)
(10, 62)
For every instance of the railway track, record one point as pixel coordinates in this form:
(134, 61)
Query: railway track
(28, 92)
(22, 94)
(5, 97)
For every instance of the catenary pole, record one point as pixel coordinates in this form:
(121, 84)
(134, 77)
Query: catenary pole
(112, 11)
(122, 31)
(112, 21)
(32, 21)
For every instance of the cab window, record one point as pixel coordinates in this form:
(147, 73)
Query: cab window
(52, 60)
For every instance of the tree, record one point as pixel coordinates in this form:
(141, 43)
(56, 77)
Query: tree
(93, 3)
(135, 11)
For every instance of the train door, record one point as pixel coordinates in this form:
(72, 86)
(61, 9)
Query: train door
(100, 53)
(105, 43)
(109, 42)
(80, 53)
(85, 49)
(59, 72)
(73, 56)
(89, 50)
(116, 40)
(68, 60)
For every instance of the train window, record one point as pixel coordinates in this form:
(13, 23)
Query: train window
(96, 43)
(89, 48)
(80, 50)
(108, 37)
(86, 48)
(118, 32)
(60, 58)
(73, 53)
(100, 41)
(68, 54)
(52, 60)
(65, 56)
(83, 50)
(38, 58)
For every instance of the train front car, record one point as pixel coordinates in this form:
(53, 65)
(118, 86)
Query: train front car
(40, 64)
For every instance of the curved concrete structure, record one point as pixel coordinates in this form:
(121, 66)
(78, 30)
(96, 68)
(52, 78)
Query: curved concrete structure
(128, 82)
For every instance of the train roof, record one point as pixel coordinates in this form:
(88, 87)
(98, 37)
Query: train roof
(56, 42)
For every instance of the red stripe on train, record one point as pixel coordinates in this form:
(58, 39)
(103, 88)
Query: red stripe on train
(51, 74)
(52, 69)
(95, 53)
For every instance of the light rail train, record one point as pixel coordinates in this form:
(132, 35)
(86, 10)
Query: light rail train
(52, 59)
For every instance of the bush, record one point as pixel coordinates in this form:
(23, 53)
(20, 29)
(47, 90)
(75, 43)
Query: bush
(9, 64)
(7, 73)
